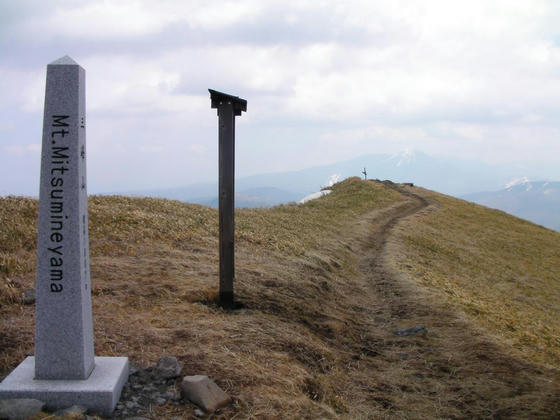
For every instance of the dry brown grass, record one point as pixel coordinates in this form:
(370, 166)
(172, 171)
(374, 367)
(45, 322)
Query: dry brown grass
(313, 337)
(503, 272)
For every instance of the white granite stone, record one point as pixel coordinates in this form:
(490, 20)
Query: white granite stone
(99, 393)
(63, 326)
(64, 371)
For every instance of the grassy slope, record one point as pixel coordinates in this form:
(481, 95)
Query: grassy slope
(503, 272)
(304, 345)
(154, 278)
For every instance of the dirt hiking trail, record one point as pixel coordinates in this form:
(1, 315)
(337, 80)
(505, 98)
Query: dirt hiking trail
(446, 367)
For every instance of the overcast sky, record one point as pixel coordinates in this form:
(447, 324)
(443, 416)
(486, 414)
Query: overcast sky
(324, 80)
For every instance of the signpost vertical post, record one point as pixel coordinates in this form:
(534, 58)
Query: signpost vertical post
(228, 107)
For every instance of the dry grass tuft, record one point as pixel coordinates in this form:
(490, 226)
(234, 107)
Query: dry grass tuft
(18, 243)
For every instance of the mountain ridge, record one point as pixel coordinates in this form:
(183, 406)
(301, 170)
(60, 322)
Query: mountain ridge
(450, 176)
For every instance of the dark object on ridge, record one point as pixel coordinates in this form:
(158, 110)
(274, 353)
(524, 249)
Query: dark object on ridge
(228, 107)
(168, 367)
(407, 332)
(28, 296)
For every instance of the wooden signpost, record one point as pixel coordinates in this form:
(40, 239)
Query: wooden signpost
(228, 107)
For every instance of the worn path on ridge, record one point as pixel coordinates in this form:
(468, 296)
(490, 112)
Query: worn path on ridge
(453, 370)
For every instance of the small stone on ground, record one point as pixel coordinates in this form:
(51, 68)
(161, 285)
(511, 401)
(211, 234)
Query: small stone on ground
(21, 408)
(168, 367)
(145, 388)
(204, 392)
(29, 297)
(407, 332)
(75, 409)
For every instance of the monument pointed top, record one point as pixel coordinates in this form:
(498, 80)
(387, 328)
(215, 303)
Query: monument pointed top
(66, 60)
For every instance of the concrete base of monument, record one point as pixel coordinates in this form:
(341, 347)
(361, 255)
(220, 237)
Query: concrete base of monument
(99, 393)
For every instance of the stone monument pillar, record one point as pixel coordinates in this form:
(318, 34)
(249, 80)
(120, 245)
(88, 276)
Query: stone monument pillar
(228, 107)
(64, 371)
(63, 321)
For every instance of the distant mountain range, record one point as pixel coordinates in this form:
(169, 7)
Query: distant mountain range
(538, 202)
(450, 176)
(256, 197)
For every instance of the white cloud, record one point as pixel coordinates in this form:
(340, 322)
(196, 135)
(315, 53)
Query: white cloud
(22, 89)
(18, 150)
(361, 76)
(101, 19)
(129, 85)
(151, 149)
(107, 20)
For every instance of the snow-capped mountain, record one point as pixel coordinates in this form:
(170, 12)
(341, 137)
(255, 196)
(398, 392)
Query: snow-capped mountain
(538, 202)
(405, 157)
(522, 182)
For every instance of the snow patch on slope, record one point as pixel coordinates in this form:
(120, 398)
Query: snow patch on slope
(405, 157)
(314, 195)
(333, 179)
(519, 181)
